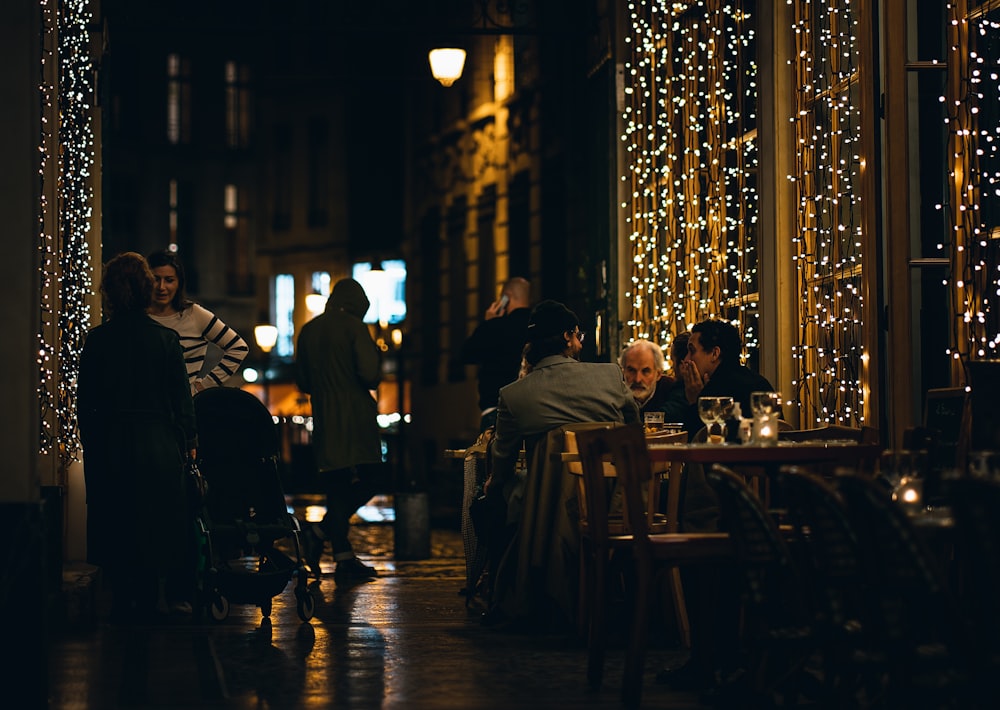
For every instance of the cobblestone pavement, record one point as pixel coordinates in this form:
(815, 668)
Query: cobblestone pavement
(404, 640)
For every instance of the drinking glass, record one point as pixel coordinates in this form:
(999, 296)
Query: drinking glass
(653, 422)
(710, 410)
(765, 402)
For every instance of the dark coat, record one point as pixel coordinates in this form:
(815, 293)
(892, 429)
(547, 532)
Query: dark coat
(733, 381)
(137, 423)
(495, 346)
(338, 365)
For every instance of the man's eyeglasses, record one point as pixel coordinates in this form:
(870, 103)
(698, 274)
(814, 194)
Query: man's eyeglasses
(579, 334)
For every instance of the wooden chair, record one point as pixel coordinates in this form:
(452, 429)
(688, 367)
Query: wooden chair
(618, 524)
(626, 447)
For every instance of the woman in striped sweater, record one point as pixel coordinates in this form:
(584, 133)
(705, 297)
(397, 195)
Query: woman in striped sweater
(196, 325)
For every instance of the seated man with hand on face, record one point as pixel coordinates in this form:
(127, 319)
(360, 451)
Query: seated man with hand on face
(712, 369)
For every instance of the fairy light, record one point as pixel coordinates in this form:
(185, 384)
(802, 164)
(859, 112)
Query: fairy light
(64, 253)
(829, 356)
(691, 154)
(972, 206)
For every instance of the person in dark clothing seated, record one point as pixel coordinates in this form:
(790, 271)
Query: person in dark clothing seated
(711, 369)
(674, 402)
(496, 344)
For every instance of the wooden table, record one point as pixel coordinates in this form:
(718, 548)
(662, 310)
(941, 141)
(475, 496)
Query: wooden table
(769, 457)
(762, 463)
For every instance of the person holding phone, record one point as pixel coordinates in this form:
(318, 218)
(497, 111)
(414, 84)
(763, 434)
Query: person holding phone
(496, 344)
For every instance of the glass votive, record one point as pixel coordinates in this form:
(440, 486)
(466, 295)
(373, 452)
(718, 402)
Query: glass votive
(653, 422)
(909, 494)
(765, 429)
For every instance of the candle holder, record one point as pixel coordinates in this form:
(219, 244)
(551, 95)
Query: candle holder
(909, 494)
(765, 429)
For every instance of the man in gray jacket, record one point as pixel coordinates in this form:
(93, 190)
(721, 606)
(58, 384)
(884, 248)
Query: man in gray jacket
(558, 390)
(339, 365)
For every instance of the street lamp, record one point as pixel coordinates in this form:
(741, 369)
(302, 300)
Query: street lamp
(446, 64)
(266, 336)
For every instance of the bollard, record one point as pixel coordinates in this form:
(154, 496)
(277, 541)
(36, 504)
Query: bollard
(413, 526)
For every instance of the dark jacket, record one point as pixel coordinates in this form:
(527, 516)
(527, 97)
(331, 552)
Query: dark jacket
(136, 422)
(495, 346)
(338, 365)
(728, 380)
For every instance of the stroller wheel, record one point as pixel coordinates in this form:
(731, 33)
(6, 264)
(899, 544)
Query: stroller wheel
(219, 608)
(306, 606)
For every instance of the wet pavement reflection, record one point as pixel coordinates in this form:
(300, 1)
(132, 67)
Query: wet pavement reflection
(404, 640)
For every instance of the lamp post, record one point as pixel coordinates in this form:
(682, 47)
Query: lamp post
(266, 336)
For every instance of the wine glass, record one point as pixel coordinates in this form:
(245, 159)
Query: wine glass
(765, 402)
(710, 411)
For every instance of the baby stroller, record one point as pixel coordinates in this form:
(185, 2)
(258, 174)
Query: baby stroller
(242, 512)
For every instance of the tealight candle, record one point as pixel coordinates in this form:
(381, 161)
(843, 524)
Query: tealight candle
(765, 430)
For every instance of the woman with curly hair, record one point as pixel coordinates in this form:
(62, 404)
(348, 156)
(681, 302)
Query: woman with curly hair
(137, 425)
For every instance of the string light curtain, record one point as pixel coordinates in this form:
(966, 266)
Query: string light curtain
(691, 164)
(66, 139)
(830, 358)
(973, 208)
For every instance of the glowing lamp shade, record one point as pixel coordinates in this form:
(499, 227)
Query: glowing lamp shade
(315, 303)
(446, 64)
(266, 336)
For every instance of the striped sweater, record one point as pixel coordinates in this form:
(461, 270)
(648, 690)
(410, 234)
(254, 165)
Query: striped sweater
(197, 326)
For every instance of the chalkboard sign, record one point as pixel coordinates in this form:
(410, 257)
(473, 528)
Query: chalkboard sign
(943, 411)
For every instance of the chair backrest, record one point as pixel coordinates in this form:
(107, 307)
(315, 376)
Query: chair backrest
(576, 467)
(976, 506)
(833, 565)
(773, 588)
(906, 578)
(626, 446)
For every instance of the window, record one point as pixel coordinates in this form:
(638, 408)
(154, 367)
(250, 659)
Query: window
(281, 186)
(386, 290)
(178, 100)
(318, 168)
(172, 214)
(237, 90)
(236, 223)
(284, 308)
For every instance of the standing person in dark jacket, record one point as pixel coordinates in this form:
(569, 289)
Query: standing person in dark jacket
(137, 424)
(338, 365)
(496, 345)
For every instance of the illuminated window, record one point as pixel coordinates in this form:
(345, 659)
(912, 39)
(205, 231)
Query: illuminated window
(284, 307)
(178, 100)
(386, 290)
